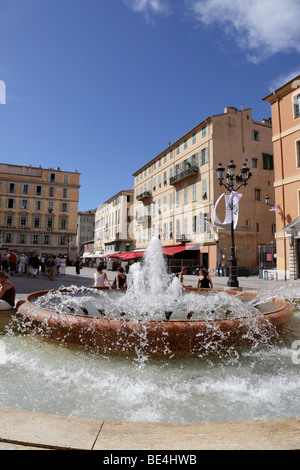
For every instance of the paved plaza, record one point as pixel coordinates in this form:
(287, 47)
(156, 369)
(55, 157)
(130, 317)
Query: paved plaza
(25, 430)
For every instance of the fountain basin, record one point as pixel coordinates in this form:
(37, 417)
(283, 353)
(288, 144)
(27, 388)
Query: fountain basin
(153, 337)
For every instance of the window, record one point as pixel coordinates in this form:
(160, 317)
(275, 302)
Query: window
(23, 221)
(254, 162)
(203, 131)
(36, 222)
(10, 203)
(177, 198)
(194, 138)
(185, 144)
(177, 149)
(64, 193)
(51, 191)
(11, 188)
(35, 239)
(38, 205)
(9, 221)
(50, 223)
(47, 240)
(194, 192)
(257, 194)
(64, 207)
(66, 179)
(52, 177)
(185, 196)
(22, 239)
(165, 177)
(255, 135)
(296, 100)
(38, 190)
(25, 189)
(258, 227)
(24, 204)
(268, 163)
(298, 153)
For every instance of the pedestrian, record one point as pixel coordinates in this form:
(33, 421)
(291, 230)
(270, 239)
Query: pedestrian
(120, 279)
(22, 264)
(100, 278)
(77, 266)
(204, 281)
(7, 292)
(52, 268)
(4, 262)
(12, 263)
(63, 266)
(35, 264)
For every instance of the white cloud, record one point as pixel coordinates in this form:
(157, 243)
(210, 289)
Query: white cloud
(261, 28)
(147, 7)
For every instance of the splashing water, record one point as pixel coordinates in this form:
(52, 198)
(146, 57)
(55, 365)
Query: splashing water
(260, 382)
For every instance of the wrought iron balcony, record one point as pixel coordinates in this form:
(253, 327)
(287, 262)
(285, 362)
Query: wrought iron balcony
(187, 173)
(144, 195)
(182, 238)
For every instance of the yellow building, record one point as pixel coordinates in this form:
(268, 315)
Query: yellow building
(285, 105)
(38, 211)
(175, 193)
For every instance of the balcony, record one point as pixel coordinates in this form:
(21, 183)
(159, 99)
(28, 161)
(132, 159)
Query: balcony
(144, 196)
(143, 218)
(183, 175)
(183, 238)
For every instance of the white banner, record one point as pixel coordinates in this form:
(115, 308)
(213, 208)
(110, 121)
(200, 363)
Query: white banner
(231, 209)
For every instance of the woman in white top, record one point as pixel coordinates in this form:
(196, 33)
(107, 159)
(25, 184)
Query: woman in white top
(100, 278)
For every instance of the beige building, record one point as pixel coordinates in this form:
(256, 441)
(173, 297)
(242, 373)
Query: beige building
(175, 193)
(113, 224)
(38, 210)
(285, 105)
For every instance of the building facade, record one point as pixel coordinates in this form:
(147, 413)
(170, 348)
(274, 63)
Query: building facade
(38, 210)
(175, 193)
(113, 224)
(285, 106)
(85, 229)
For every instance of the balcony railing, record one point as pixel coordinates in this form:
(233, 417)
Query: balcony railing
(144, 195)
(143, 218)
(187, 173)
(183, 238)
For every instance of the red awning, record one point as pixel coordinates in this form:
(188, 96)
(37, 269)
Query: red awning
(172, 250)
(131, 254)
(111, 256)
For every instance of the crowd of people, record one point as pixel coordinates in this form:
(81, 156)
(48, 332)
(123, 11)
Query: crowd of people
(49, 265)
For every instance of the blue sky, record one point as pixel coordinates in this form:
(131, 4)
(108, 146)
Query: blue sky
(102, 86)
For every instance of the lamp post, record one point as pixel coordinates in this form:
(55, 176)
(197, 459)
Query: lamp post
(240, 180)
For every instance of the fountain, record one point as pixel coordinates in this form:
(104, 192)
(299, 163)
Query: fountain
(219, 381)
(154, 317)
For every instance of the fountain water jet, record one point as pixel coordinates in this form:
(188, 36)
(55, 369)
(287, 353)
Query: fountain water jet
(154, 317)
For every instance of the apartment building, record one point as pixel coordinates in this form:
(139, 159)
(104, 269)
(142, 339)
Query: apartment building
(285, 106)
(85, 229)
(175, 193)
(113, 224)
(38, 209)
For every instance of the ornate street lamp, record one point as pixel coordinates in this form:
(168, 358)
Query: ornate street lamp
(241, 180)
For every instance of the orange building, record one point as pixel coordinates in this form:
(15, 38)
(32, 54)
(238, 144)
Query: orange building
(285, 105)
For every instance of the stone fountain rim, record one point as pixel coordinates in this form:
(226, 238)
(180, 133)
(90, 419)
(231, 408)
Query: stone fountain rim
(27, 299)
